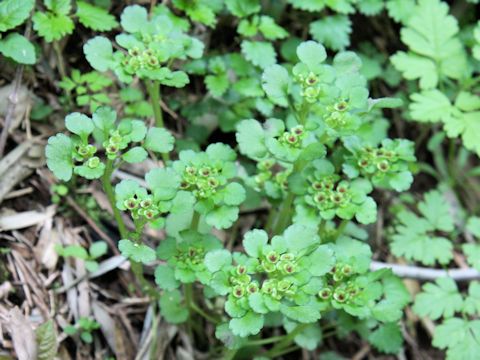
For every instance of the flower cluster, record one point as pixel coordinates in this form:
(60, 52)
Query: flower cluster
(387, 166)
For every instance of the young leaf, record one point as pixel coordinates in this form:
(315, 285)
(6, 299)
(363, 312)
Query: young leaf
(276, 84)
(311, 53)
(460, 336)
(98, 249)
(136, 252)
(14, 13)
(18, 48)
(435, 51)
(52, 26)
(135, 155)
(387, 338)
(171, 307)
(217, 259)
(95, 17)
(159, 140)
(99, 53)
(332, 31)
(439, 299)
(165, 277)
(134, 18)
(254, 241)
(79, 124)
(59, 156)
(259, 53)
(249, 324)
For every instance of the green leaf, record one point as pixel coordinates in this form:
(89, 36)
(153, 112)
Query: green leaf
(460, 336)
(303, 313)
(59, 156)
(400, 10)
(472, 252)
(18, 48)
(254, 241)
(14, 13)
(79, 124)
(135, 155)
(466, 125)
(164, 183)
(52, 27)
(471, 305)
(270, 29)
(234, 194)
(165, 277)
(171, 307)
(215, 260)
(99, 53)
(332, 31)
(429, 106)
(222, 217)
(311, 53)
(59, 6)
(88, 172)
(276, 84)
(95, 17)
(98, 249)
(473, 225)
(46, 338)
(436, 210)
(414, 237)
(76, 251)
(251, 139)
(387, 338)
(125, 190)
(217, 84)
(259, 53)
(136, 252)
(322, 260)
(299, 237)
(420, 246)
(435, 51)
(309, 338)
(104, 119)
(439, 299)
(370, 7)
(159, 140)
(250, 324)
(242, 8)
(134, 18)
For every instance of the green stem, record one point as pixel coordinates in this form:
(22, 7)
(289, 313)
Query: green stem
(153, 88)
(280, 352)
(202, 313)
(195, 220)
(340, 229)
(108, 188)
(284, 217)
(287, 340)
(265, 341)
(61, 65)
(230, 354)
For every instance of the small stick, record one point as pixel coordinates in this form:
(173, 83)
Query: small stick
(12, 103)
(421, 273)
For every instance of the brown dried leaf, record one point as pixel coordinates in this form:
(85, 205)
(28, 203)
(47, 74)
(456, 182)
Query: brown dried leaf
(22, 334)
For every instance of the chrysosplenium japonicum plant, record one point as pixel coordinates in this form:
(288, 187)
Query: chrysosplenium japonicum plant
(315, 165)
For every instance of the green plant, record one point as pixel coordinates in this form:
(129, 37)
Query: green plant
(316, 169)
(88, 89)
(147, 52)
(95, 251)
(13, 13)
(85, 326)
